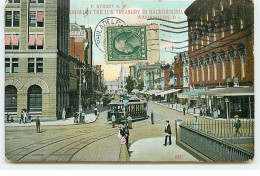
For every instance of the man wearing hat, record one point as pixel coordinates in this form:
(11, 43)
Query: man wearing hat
(113, 118)
(168, 133)
(237, 126)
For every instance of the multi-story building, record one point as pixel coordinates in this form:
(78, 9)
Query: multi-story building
(78, 41)
(185, 67)
(124, 73)
(178, 72)
(37, 56)
(112, 87)
(166, 73)
(221, 54)
(221, 43)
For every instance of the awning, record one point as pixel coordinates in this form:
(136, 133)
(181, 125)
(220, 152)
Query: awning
(172, 91)
(15, 40)
(7, 39)
(162, 93)
(159, 93)
(193, 94)
(135, 90)
(39, 40)
(40, 15)
(231, 91)
(31, 40)
(151, 92)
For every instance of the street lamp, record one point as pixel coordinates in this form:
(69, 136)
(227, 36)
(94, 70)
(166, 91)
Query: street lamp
(125, 101)
(227, 101)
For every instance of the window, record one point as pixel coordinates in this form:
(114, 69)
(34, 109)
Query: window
(36, 19)
(36, 1)
(13, 1)
(213, 11)
(221, 5)
(230, 2)
(215, 71)
(35, 99)
(35, 41)
(11, 41)
(35, 65)
(11, 65)
(208, 73)
(16, 19)
(223, 70)
(10, 99)
(12, 19)
(8, 18)
(32, 19)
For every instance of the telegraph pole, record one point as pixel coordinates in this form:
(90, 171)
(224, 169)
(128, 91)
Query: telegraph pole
(79, 68)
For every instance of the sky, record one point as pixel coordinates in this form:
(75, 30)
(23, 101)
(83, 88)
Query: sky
(96, 13)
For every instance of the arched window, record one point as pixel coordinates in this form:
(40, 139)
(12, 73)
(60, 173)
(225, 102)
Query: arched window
(241, 52)
(10, 99)
(208, 64)
(231, 56)
(214, 61)
(223, 63)
(35, 99)
(202, 68)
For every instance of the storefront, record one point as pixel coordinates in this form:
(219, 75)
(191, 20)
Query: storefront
(229, 102)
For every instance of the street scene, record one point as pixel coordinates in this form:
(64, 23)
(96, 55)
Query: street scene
(129, 82)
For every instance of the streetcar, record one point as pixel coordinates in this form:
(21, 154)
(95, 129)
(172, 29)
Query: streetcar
(136, 109)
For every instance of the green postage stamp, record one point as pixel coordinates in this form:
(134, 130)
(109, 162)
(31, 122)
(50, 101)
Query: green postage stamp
(126, 43)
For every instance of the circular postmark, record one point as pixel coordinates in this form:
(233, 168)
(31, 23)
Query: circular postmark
(99, 30)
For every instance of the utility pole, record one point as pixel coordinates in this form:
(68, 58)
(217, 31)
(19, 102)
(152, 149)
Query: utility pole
(79, 68)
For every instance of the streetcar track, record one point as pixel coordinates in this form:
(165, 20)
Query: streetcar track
(53, 153)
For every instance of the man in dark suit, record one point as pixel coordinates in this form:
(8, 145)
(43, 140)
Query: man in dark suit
(168, 133)
(37, 121)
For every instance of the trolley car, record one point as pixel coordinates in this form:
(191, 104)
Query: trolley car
(136, 109)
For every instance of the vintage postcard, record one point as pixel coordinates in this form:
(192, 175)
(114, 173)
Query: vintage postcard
(140, 81)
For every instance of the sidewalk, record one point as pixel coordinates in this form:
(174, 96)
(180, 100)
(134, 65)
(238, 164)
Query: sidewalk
(178, 107)
(89, 118)
(153, 150)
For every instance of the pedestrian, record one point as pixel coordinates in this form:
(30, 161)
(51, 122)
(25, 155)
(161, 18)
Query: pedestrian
(9, 119)
(113, 120)
(21, 120)
(37, 121)
(75, 117)
(168, 132)
(24, 116)
(95, 111)
(196, 122)
(79, 117)
(152, 118)
(63, 114)
(83, 117)
(237, 125)
(126, 133)
(184, 110)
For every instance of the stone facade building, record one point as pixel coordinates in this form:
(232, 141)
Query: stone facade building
(37, 57)
(221, 43)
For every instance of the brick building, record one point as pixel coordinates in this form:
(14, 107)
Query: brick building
(178, 72)
(37, 56)
(221, 43)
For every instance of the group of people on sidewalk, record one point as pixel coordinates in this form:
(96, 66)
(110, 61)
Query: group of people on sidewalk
(25, 118)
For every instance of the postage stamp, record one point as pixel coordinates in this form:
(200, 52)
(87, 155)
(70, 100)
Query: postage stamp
(129, 81)
(126, 43)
